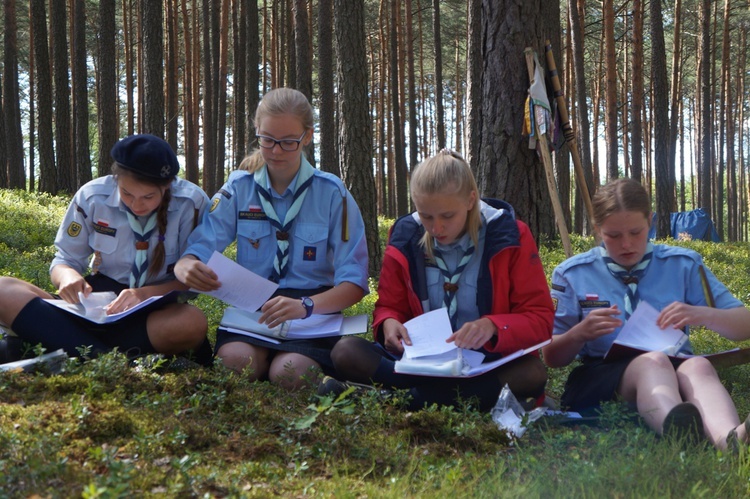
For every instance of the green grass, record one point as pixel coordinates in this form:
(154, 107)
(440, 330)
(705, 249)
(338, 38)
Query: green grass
(105, 429)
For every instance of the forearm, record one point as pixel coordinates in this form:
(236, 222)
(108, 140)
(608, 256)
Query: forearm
(563, 349)
(337, 298)
(732, 323)
(59, 273)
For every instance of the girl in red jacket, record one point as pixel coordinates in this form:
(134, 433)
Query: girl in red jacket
(472, 257)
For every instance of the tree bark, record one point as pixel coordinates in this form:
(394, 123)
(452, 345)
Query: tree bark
(705, 117)
(13, 171)
(474, 83)
(153, 65)
(664, 177)
(610, 59)
(402, 196)
(636, 108)
(81, 95)
(328, 149)
(355, 139)
(507, 168)
(63, 147)
(107, 98)
(47, 170)
(438, 47)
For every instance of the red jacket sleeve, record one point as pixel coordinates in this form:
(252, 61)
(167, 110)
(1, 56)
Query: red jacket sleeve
(522, 306)
(396, 297)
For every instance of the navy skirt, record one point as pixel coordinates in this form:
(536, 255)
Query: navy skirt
(318, 349)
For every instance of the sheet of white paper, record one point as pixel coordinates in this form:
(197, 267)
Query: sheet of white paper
(428, 333)
(316, 325)
(354, 324)
(641, 331)
(240, 287)
(97, 314)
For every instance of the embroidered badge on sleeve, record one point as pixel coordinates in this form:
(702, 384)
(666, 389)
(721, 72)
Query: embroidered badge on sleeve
(214, 204)
(74, 229)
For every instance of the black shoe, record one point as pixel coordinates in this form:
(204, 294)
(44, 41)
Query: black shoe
(11, 349)
(332, 386)
(203, 355)
(684, 421)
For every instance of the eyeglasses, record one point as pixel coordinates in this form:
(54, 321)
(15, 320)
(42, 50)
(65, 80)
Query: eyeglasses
(289, 145)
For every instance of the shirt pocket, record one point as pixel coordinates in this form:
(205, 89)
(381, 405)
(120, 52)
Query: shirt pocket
(253, 240)
(103, 243)
(310, 243)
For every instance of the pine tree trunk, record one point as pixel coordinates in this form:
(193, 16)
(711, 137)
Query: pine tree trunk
(355, 139)
(327, 117)
(507, 168)
(660, 103)
(153, 65)
(63, 147)
(47, 170)
(81, 95)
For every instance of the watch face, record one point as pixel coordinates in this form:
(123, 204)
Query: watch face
(307, 302)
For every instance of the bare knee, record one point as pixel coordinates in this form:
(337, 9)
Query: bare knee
(15, 294)
(652, 360)
(293, 371)
(176, 329)
(241, 357)
(697, 366)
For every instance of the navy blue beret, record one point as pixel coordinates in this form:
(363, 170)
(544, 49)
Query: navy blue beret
(146, 155)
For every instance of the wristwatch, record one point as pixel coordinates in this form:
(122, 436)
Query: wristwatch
(308, 304)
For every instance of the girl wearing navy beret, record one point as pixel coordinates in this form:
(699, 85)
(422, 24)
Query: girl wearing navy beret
(123, 233)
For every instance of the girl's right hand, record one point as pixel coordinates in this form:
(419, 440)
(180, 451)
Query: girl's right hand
(393, 334)
(72, 283)
(599, 322)
(196, 274)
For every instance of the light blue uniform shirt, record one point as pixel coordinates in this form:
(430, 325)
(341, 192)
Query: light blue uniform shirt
(583, 283)
(97, 221)
(317, 254)
(466, 296)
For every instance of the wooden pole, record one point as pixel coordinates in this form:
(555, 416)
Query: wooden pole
(547, 160)
(569, 133)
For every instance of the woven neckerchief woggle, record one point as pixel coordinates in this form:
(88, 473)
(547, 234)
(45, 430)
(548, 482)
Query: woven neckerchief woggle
(450, 279)
(304, 179)
(631, 277)
(142, 234)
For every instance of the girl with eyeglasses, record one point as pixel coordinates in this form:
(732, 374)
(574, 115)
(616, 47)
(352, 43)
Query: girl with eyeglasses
(293, 224)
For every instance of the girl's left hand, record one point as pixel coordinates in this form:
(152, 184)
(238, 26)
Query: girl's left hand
(127, 298)
(473, 335)
(281, 309)
(679, 315)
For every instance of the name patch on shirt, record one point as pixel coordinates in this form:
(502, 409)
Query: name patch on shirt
(594, 303)
(309, 253)
(557, 287)
(253, 215)
(104, 230)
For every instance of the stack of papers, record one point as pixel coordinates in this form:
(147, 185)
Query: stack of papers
(240, 321)
(431, 355)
